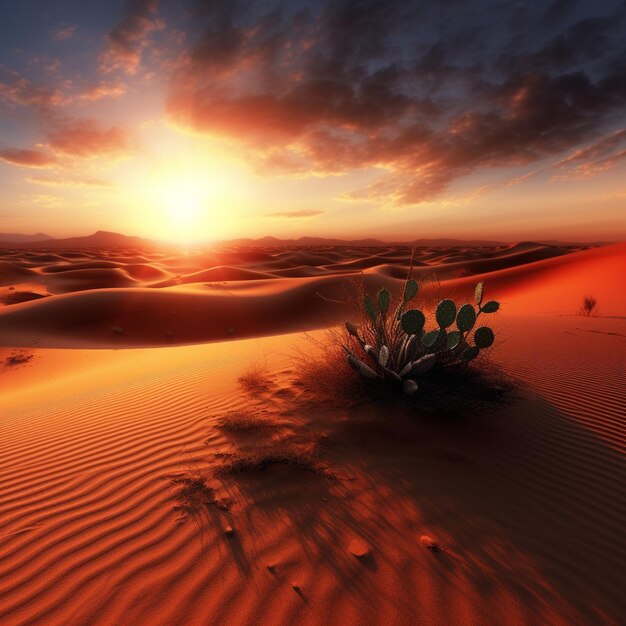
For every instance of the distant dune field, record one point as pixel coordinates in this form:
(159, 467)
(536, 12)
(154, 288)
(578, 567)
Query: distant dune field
(509, 516)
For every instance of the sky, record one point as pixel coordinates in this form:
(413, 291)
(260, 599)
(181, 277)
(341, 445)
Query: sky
(208, 119)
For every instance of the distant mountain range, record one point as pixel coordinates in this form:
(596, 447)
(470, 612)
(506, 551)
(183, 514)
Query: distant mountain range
(17, 237)
(359, 243)
(100, 239)
(106, 239)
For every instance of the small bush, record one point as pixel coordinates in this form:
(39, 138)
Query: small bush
(292, 455)
(588, 307)
(397, 348)
(244, 421)
(255, 378)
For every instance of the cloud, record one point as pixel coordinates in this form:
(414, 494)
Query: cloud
(102, 90)
(68, 181)
(18, 90)
(27, 158)
(86, 138)
(125, 43)
(64, 32)
(596, 158)
(335, 86)
(295, 214)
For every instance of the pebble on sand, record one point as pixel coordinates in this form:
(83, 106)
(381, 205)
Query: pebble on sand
(359, 548)
(429, 543)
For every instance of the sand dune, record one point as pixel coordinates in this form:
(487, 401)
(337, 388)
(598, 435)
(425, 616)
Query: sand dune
(526, 505)
(224, 302)
(509, 516)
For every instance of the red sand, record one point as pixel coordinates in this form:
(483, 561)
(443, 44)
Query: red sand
(525, 505)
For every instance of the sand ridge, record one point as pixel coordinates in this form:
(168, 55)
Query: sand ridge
(113, 306)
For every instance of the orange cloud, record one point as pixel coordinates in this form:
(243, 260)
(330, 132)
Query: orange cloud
(295, 214)
(68, 181)
(103, 90)
(27, 158)
(127, 40)
(85, 138)
(18, 90)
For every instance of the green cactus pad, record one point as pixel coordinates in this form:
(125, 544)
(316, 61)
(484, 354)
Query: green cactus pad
(446, 313)
(410, 290)
(466, 318)
(478, 293)
(453, 339)
(383, 300)
(483, 337)
(412, 321)
(370, 308)
(491, 307)
(470, 353)
(434, 339)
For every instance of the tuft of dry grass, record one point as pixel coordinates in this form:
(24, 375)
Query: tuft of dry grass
(244, 420)
(588, 308)
(295, 456)
(255, 377)
(195, 496)
(18, 358)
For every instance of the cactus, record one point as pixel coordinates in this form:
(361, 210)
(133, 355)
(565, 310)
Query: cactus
(466, 318)
(478, 293)
(360, 367)
(490, 307)
(412, 321)
(410, 290)
(483, 337)
(434, 339)
(470, 353)
(383, 300)
(409, 386)
(453, 339)
(370, 308)
(446, 313)
(383, 355)
(398, 347)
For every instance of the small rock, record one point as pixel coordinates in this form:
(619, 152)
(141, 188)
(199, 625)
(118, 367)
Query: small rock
(271, 567)
(296, 586)
(359, 548)
(229, 531)
(429, 543)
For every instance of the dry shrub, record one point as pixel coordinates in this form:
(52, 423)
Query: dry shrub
(244, 420)
(295, 456)
(255, 377)
(194, 495)
(588, 308)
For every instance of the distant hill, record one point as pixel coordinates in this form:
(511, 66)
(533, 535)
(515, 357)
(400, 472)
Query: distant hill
(100, 239)
(365, 243)
(18, 237)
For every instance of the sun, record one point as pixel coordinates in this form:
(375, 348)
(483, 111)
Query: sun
(184, 201)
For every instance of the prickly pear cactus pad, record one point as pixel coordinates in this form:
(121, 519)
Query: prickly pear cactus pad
(398, 349)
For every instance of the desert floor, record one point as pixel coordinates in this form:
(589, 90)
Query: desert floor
(124, 500)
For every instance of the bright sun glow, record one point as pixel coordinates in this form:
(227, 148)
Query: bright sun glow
(182, 191)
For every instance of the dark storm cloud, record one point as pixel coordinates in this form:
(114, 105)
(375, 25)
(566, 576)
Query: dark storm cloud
(431, 91)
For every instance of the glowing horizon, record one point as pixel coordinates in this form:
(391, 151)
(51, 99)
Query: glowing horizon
(183, 123)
